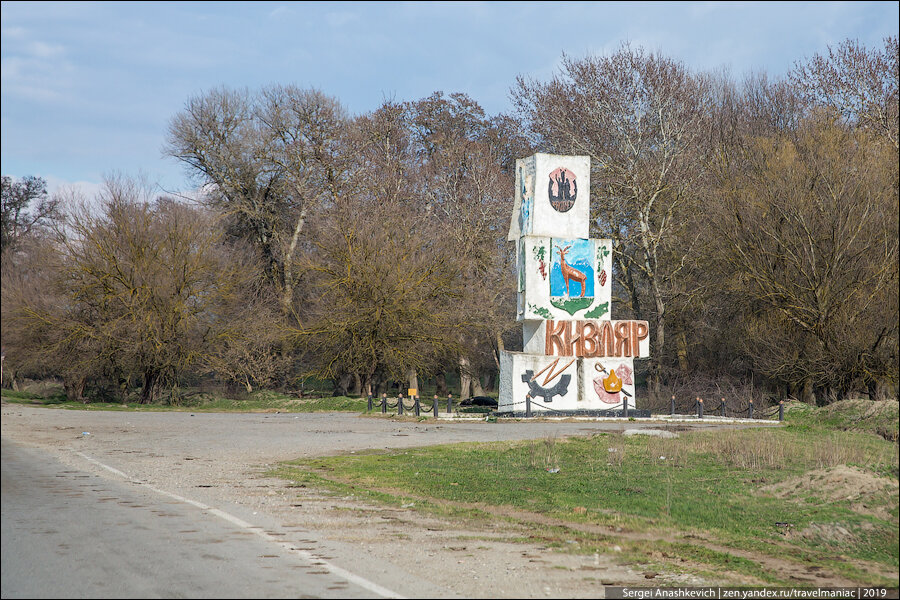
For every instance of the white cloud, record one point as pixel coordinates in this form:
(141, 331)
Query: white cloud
(15, 33)
(280, 11)
(341, 18)
(704, 9)
(59, 186)
(33, 69)
(24, 79)
(40, 49)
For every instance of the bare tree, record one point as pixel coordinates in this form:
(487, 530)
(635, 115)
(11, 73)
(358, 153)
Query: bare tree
(808, 252)
(34, 303)
(467, 191)
(246, 329)
(25, 207)
(266, 160)
(140, 288)
(383, 279)
(860, 84)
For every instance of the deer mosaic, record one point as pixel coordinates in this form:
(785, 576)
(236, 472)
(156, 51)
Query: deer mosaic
(569, 272)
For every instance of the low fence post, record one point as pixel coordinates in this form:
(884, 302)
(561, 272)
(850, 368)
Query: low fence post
(435, 406)
(781, 410)
(449, 403)
(370, 402)
(527, 405)
(699, 408)
(672, 407)
(723, 407)
(399, 404)
(750, 409)
(417, 406)
(384, 403)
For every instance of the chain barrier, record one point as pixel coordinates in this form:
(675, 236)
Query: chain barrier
(522, 402)
(417, 406)
(751, 411)
(626, 408)
(533, 403)
(674, 405)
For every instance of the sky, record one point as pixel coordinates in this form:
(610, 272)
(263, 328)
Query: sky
(88, 88)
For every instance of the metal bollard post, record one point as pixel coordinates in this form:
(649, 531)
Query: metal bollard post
(528, 405)
(449, 403)
(399, 404)
(750, 409)
(699, 408)
(781, 410)
(384, 403)
(672, 406)
(417, 406)
(625, 406)
(723, 407)
(370, 402)
(435, 406)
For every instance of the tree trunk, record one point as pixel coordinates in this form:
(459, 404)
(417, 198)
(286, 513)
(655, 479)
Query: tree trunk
(151, 383)
(122, 388)
(682, 350)
(627, 281)
(376, 384)
(491, 383)
(413, 378)
(341, 384)
(807, 396)
(465, 378)
(356, 390)
(287, 296)
(74, 389)
(499, 349)
(440, 383)
(660, 341)
(477, 390)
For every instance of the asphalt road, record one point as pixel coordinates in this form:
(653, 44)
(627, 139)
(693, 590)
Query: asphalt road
(71, 534)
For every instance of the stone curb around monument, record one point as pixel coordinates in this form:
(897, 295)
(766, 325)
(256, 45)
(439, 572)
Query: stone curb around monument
(652, 419)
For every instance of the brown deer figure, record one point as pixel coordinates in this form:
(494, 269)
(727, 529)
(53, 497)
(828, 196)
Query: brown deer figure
(569, 272)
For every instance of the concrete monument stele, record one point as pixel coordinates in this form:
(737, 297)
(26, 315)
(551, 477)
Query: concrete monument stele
(575, 358)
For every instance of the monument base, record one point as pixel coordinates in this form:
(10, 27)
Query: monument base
(565, 384)
(617, 414)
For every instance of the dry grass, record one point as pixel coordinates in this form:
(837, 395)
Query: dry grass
(769, 449)
(543, 454)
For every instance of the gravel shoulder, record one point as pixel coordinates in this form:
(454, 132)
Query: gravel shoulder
(220, 459)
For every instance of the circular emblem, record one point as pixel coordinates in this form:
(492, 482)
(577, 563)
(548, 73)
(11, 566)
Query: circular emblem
(562, 189)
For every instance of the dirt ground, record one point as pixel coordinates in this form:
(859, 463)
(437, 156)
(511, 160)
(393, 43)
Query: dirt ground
(219, 459)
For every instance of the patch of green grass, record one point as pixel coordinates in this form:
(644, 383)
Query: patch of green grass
(481, 410)
(704, 483)
(266, 400)
(879, 418)
(58, 401)
(17, 395)
(260, 401)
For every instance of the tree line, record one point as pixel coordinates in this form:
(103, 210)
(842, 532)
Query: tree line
(754, 225)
